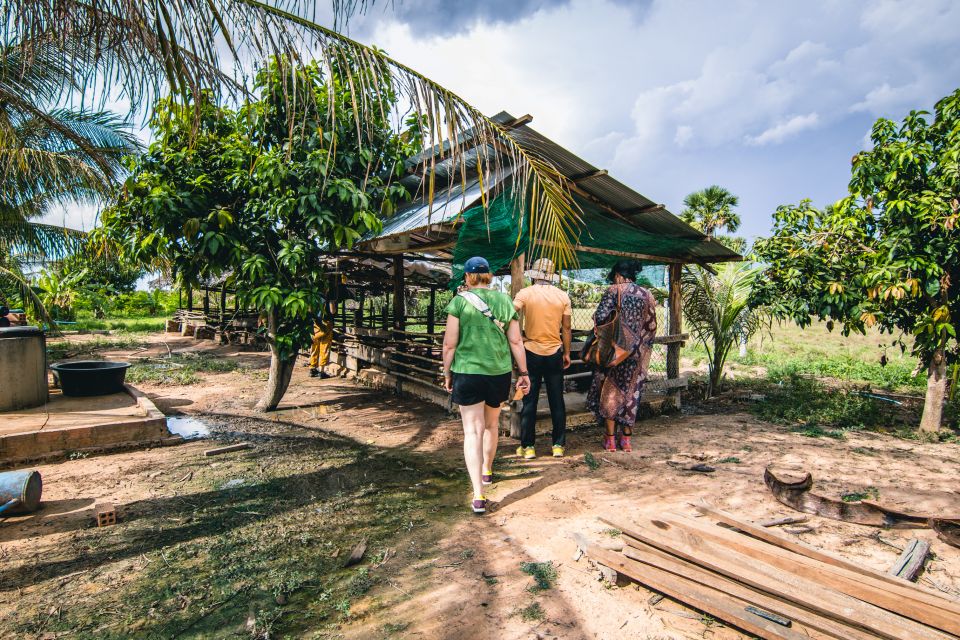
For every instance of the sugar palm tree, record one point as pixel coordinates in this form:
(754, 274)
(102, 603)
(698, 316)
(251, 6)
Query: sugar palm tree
(717, 313)
(47, 156)
(145, 47)
(711, 210)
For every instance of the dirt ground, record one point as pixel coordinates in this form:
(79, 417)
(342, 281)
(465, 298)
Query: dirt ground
(451, 575)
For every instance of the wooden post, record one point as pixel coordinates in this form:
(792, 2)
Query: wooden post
(516, 283)
(189, 298)
(223, 303)
(432, 311)
(399, 313)
(358, 316)
(206, 302)
(399, 310)
(676, 328)
(179, 298)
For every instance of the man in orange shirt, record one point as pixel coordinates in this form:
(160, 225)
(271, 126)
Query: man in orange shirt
(546, 328)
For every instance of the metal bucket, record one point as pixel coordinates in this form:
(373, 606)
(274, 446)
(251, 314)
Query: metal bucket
(24, 486)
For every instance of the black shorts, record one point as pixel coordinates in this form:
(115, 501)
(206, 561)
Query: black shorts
(471, 388)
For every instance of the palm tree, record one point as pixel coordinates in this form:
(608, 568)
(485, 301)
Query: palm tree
(711, 209)
(143, 47)
(717, 312)
(47, 156)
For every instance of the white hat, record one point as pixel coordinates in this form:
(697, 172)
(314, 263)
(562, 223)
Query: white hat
(542, 269)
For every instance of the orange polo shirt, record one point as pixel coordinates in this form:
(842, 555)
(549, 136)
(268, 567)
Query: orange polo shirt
(544, 306)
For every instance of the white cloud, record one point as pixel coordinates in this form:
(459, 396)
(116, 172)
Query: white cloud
(786, 129)
(885, 99)
(683, 135)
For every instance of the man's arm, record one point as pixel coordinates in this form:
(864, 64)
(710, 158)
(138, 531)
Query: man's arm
(566, 335)
(519, 355)
(451, 336)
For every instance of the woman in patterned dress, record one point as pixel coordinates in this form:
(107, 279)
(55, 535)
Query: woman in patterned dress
(614, 396)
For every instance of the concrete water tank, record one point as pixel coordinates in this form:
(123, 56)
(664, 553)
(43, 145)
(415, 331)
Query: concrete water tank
(23, 368)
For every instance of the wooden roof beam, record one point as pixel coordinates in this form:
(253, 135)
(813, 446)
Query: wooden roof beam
(647, 209)
(581, 177)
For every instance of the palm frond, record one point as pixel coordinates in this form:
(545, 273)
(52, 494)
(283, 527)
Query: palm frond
(149, 45)
(37, 242)
(13, 279)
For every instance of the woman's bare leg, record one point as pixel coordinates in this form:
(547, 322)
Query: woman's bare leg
(473, 430)
(611, 427)
(491, 433)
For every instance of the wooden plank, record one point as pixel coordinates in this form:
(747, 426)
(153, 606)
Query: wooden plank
(777, 582)
(228, 449)
(911, 561)
(715, 603)
(655, 557)
(805, 550)
(890, 597)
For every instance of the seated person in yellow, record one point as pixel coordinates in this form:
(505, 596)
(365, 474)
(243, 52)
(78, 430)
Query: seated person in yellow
(322, 338)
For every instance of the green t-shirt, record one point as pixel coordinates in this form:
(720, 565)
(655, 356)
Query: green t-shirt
(483, 348)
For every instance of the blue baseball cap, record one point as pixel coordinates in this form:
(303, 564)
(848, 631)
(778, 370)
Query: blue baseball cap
(476, 264)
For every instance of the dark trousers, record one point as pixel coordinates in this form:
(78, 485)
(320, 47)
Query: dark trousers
(547, 370)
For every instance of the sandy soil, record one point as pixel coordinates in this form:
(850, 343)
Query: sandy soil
(471, 584)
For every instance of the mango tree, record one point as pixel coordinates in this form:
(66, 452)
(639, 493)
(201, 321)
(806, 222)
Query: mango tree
(887, 255)
(262, 194)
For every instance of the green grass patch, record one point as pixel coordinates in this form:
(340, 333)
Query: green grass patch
(814, 431)
(810, 407)
(870, 493)
(64, 349)
(532, 613)
(729, 460)
(544, 575)
(613, 533)
(178, 370)
(129, 325)
(204, 559)
(592, 463)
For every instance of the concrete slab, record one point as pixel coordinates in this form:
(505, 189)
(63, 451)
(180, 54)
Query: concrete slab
(65, 425)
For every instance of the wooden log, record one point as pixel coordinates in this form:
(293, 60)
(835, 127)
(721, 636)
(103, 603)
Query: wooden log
(911, 561)
(654, 557)
(896, 598)
(715, 603)
(805, 550)
(228, 449)
(779, 583)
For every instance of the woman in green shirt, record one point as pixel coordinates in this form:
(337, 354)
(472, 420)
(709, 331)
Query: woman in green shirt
(482, 331)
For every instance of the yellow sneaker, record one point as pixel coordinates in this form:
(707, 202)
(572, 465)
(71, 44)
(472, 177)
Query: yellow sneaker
(529, 453)
(519, 452)
(557, 451)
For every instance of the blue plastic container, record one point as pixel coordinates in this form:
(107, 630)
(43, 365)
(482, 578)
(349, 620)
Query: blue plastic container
(24, 486)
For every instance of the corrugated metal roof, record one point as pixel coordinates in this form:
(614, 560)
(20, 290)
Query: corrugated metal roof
(630, 206)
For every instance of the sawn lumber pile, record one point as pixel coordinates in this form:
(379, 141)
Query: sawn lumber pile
(771, 586)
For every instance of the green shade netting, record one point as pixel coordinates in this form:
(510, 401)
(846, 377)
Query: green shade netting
(493, 233)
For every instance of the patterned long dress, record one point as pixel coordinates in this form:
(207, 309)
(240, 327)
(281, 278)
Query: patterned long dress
(615, 392)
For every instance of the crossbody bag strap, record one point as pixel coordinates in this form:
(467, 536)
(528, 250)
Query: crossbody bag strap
(477, 303)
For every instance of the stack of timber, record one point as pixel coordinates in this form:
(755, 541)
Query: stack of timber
(771, 586)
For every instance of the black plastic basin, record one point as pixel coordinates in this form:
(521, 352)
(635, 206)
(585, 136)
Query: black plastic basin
(91, 377)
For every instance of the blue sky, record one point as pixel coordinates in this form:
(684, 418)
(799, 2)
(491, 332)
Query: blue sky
(768, 99)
